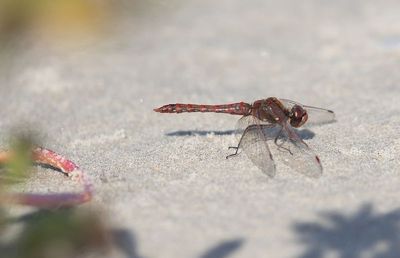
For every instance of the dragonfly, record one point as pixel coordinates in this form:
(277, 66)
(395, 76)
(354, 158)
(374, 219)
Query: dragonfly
(268, 129)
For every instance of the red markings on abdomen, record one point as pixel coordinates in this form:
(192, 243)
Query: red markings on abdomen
(240, 108)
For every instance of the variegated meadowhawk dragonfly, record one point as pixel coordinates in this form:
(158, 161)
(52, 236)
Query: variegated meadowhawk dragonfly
(268, 124)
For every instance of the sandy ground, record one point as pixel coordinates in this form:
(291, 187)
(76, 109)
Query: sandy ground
(165, 179)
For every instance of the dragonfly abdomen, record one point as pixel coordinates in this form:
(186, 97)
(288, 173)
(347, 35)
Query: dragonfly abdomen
(240, 108)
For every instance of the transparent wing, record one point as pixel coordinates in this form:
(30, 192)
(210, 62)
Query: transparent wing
(316, 116)
(259, 138)
(295, 153)
(247, 121)
(254, 143)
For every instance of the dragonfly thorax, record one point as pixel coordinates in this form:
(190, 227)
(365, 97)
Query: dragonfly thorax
(273, 111)
(270, 110)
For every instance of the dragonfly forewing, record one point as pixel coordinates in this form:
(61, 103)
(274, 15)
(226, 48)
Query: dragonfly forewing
(316, 115)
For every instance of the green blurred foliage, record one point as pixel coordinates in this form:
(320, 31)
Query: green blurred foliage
(19, 165)
(63, 233)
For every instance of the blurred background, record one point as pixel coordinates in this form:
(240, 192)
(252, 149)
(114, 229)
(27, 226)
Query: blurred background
(82, 77)
(70, 26)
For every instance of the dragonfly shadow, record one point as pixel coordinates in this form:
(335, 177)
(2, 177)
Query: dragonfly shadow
(351, 236)
(223, 249)
(199, 133)
(305, 134)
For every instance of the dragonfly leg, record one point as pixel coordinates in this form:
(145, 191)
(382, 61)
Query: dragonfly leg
(236, 148)
(280, 145)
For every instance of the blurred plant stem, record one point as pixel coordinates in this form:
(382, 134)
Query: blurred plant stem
(61, 233)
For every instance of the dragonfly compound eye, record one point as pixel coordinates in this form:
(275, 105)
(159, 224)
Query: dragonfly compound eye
(298, 116)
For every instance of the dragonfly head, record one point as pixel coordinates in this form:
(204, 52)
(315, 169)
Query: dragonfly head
(298, 116)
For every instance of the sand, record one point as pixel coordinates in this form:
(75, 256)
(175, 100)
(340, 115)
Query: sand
(164, 177)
